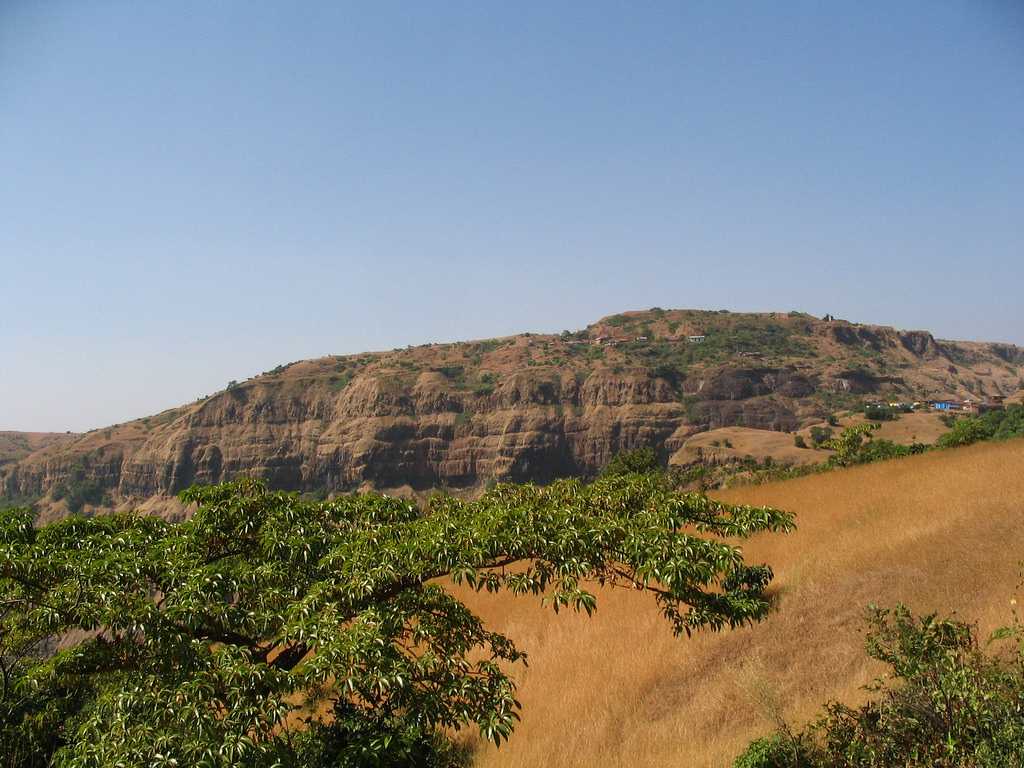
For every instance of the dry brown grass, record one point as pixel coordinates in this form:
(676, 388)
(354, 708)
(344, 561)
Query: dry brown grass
(922, 427)
(744, 441)
(925, 427)
(18, 445)
(941, 531)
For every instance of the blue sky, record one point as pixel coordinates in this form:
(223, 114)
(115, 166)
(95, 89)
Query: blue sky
(196, 192)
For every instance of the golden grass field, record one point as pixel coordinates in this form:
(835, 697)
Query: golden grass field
(918, 427)
(745, 441)
(941, 532)
(921, 427)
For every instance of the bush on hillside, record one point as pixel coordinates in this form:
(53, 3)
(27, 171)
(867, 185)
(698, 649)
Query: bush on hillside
(995, 425)
(641, 460)
(669, 372)
(820, 435)
(879, 413)
(882, 450)
(849, 444)
(944, 704)
(964, 432)
(486, 384)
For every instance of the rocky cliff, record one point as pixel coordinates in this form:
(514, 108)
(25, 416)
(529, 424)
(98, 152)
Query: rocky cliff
(529, 407)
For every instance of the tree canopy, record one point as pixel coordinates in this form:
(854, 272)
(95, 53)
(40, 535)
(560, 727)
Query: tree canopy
(271, 630)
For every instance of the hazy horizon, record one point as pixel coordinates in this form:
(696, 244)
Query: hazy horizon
(195, 194)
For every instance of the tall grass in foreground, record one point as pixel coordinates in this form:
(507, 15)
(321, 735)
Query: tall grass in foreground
(939, 532)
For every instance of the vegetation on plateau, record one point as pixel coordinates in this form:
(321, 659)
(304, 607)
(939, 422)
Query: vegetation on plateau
(271, 630)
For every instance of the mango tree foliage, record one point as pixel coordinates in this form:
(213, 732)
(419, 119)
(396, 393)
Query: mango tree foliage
(269, 630)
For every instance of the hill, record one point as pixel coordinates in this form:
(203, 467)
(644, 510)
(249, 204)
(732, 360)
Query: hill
(528, 407)
(939, 532)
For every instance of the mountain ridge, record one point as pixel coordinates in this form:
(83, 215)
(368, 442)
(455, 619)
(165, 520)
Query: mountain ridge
(528, 407)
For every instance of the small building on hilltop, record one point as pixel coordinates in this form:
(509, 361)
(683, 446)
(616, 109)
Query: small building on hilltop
(696, 339)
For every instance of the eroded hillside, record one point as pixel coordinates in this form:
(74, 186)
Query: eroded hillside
(528, 407)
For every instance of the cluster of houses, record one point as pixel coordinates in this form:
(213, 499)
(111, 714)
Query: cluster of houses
(968, 406)
(947, 406)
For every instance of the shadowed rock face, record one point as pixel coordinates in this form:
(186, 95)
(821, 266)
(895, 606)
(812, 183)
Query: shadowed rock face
(527, 408)
(920, 343)
(862, 382)
(757, 413)
(743, 383)
(860, 335)
(1008, 353)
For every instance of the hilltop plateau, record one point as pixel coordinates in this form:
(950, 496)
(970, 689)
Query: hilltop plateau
(530, 407)
(15, 446)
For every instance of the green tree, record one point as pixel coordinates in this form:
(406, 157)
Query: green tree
(271, 630)
(849, 445)
(879, 413)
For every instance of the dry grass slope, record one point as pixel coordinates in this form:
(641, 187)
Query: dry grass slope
(940, 532)
(17, 445)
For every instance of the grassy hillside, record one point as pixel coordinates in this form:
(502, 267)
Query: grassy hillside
(939, 531)
(15, 446)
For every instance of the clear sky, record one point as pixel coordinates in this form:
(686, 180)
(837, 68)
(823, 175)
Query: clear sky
(193, 192)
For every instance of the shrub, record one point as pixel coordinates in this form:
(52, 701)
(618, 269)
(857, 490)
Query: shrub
(994, 425)
(451, 372)
(820, 435)
(486, 384)
(338, 383)
(799, 442)
(642, 460)
(881, 450)
(833, 420)
(965, 432)
(669, 372)
(879, 413)
(945, 704)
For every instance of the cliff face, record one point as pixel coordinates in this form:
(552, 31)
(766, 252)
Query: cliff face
(530, 407)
